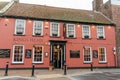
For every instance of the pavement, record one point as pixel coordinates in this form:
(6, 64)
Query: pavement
(56, 74)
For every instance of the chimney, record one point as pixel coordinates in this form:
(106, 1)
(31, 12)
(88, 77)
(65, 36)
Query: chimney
(97, 5)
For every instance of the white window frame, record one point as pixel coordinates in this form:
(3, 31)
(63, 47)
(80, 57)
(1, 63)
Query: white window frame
(90, 54)
(58, 29)
(24, 22)
(14, 53)
(73, 30)
(105, 55)
(83, 31)
(34, 27)
(103, 32)
(42, 54)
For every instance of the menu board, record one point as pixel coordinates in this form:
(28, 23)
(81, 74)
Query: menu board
(74, 54)
(4, 53)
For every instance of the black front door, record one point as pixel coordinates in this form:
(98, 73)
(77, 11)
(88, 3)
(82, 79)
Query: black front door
(57, 54)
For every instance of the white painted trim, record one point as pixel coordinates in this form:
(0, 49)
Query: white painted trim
(34, 27)
(42, 55)
(22, 53)
(7, 6)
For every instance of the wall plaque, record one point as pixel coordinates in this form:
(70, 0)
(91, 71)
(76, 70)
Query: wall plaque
(4, 53)
(95, 54)
(74, 54)
(28, 53)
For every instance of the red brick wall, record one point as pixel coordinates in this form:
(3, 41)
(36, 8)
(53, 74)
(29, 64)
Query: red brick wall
(7, 41)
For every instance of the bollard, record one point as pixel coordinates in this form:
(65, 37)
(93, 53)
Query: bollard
(33, 67)
(6, 69)
(91, 66)
(65, 69)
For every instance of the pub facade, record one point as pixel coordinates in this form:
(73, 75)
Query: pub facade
(50, 36)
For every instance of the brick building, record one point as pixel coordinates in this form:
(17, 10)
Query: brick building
(45, 36)
(112, 10)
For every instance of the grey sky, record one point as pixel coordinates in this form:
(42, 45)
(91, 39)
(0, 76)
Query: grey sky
(76, 4)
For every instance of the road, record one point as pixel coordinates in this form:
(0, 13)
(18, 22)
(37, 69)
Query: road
(98, 76)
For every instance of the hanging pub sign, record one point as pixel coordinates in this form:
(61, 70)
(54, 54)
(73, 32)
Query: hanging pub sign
(74, 54)
(95, 54)
(28, 53)
(4, 53)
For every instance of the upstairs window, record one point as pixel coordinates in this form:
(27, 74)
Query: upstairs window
(70, 30)
(100, 32)
(18, 53)
(38, 28)
(20, 27)
(86, 31)
(54, 29)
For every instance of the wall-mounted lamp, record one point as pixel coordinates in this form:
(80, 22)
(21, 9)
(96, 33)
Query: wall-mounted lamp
(46, 54)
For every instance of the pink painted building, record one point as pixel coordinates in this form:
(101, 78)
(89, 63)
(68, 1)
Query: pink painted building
(45, 36)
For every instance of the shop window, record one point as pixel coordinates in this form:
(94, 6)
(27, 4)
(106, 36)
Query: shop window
(37, 54)
(70, 30)
(86, 31)
(20, 27)
(38, 28)
(54, 29)
(100, 32)
(87, 55)
(18, 53)
(102, 54)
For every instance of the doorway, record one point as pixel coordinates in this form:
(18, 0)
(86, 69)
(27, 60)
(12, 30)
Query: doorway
(57, 57)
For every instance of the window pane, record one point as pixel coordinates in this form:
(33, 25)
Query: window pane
(18, 53)
(71, 30)
(101, 54)
(38, 54)
(20, 27)
(54, 30)
(86, 31)
(87, 54)
(38, 28)
(100, 32)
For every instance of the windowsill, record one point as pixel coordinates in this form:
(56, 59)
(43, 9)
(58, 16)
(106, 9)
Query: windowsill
(101, 39)
(70, 37)
(18, 35)
(102, 62)
(54, 36)
(87, 62)
(17, 63)
(37, 35)
(86, 38)
(37, 63)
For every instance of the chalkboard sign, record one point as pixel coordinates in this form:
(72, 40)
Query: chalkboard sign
(74, 54)
(28, 53)
(4, 53)
(95, 54)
